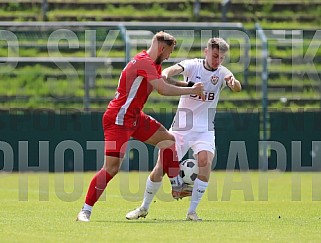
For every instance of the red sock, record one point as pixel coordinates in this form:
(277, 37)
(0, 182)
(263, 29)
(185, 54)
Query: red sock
(97, 186)
(170, 161)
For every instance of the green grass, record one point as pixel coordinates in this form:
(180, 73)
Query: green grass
(230, 215)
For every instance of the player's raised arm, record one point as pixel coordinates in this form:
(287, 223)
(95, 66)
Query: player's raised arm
(166, 89)
(172, 71)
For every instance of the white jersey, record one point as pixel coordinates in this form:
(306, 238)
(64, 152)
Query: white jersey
(194, 114)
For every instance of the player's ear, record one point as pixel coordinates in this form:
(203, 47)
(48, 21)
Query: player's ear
(161, 48)
(205, 51)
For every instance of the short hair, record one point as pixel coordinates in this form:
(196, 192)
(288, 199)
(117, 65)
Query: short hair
(218, 43)
(165, 38)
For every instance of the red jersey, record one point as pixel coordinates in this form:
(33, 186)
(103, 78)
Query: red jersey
(133, 89)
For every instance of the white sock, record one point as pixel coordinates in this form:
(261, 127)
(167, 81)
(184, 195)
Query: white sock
(87, 207)
(150, 192)
(176, 181)
(198, 191)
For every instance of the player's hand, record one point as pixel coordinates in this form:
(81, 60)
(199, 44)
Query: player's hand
(164, 77)
(199, 90)
(230, 81)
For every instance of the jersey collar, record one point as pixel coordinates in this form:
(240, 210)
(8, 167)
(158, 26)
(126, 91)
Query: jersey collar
(212, 70)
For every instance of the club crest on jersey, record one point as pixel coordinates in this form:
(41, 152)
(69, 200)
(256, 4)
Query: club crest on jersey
(214, 80)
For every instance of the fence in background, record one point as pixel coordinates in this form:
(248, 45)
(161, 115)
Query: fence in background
(94, 36)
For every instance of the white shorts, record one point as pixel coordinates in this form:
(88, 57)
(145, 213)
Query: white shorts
(197, 141)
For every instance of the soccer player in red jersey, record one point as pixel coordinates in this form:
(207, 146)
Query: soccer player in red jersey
(124, 117)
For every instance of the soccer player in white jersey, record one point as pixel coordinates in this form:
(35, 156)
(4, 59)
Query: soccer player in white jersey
(193, 125)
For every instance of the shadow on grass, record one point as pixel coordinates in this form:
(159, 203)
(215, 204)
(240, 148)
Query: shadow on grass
(166, 221)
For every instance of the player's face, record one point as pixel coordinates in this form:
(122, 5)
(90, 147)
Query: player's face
(214, 58)
(165, 53)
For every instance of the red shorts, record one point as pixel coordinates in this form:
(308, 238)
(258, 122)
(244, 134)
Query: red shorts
(117, 136)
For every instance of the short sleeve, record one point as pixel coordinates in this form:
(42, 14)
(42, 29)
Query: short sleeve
(148, 69)
(186, 65)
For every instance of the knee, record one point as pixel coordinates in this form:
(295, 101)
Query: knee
(171, 137)
(167, 141)
(112, 166)
(205, 159)
(111, 170)
(204, 162)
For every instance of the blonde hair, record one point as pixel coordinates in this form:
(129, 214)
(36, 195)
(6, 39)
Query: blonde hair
(164, 38)
(218, 43)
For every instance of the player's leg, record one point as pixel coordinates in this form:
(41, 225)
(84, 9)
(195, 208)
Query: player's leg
(150, 191)
(116, 139)
(149, 131)
(153, 183)
(204, 153)
(101, 179)
(182, 144)
(152, 132)
(204, 159)
(172, 148)
(168, 161)
(161, 138)
(98, 185)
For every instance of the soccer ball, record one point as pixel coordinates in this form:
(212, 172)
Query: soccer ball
(188, 171)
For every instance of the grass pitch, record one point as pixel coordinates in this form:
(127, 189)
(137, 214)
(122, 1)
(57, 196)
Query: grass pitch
(246, 207)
